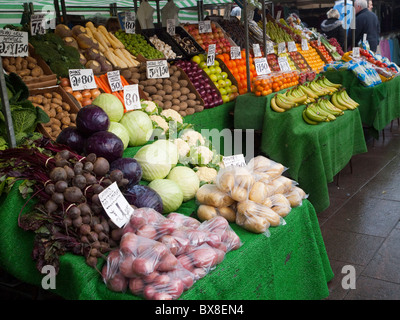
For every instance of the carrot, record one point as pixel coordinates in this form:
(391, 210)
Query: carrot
(124, 82)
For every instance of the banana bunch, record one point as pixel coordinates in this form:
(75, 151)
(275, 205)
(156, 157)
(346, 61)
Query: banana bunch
(322, 86)
(342, 100)
(294, 97)
(321, 111)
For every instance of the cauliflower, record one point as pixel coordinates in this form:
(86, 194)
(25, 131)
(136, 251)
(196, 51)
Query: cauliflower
(160, 122)
(193, 138)
(149, 107)
(206, 174)
(171, 114)
(201, 155)
(183, 147)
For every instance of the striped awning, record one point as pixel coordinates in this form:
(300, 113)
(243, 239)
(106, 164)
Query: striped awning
(10, 11)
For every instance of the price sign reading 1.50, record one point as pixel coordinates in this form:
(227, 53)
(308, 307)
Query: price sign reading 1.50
(156, 69)
(82, 79)
(261, 66)
(13, 43)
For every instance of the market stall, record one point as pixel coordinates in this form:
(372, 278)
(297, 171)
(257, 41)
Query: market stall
(123, 192)
(313, 154)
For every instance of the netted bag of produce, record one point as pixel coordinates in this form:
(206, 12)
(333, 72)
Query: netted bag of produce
(201, 260)
(257, 218)
(235, 181)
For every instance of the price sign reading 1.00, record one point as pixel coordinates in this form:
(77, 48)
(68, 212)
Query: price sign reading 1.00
(284, 64)
(131, 97)
(211, 55)
(157, 69)
(82, 79)
(114, 80)
(261, 66)
(13, 43)
(130, 18)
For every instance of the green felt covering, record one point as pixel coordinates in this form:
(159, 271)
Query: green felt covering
(379, 105)
(290, 264)
(312, 154)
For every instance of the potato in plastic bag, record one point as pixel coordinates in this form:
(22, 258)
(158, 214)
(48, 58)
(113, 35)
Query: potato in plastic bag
(235, 181)
(280, 204)
(210, 194)
(296, 196)
(205, 212)
(265, 169)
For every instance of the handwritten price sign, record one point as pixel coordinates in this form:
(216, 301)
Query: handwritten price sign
(256, 50)
(130, 18)
(131, 97)
(114, 80)
(205, 26)
(211, 55)
(235, 53)
(262, 67)
(157, 69)
(13, 43)
(284, 64)
(171, 26)
(82, 79)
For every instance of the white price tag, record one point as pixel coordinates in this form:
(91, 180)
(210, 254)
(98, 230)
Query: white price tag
(37, 24)
(284, 64)
(132, 97)
(270, 47)
(291, 45)
(356, 52)
(236, 53)
(235, 160)
(115, 205)
(130, 18)
(262, 67)
(171, 26)
(304, 44)
(278, 15)
(364, 37)
(114, 80)
(319, 41)
(256, 50)
(211, 55)
(157, 69)
(13, 43)
(281, 47)
(82, 79)
(227, 11)
(205, 26)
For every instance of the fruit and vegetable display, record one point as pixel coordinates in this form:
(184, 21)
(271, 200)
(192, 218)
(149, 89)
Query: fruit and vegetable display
(57, 105)
(322, 50)
(160, 257)
(238, 69)
(254, 197)
(25, 115)
(265, 85)
(137, 44)
(220, 78)
(26, 67)
(186, 42)
(299, 61)
(59, 56)
(216, 36)
(272, 60)
(203, 84)
(276, 33)
(103, 84)
(83, 97)
(312, 58)
(168, 93)
(236, 31)
(99, 49)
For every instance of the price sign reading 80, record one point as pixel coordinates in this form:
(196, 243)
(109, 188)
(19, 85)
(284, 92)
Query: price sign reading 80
(130, 22)
(131, 97)
(157, 69)
(13, 43)
(82, 79)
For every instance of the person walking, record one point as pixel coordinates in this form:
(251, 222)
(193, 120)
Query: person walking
(332, 26)
(366, 23)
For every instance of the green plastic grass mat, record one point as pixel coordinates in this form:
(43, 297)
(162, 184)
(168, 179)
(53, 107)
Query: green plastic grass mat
(291, 264)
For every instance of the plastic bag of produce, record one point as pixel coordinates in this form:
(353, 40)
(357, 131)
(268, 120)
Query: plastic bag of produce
(206, 212)
(201, 260)
(265, 169)
(211, 195)
(182, 220)
(257, 218)
(235, 181)
(296, 196)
